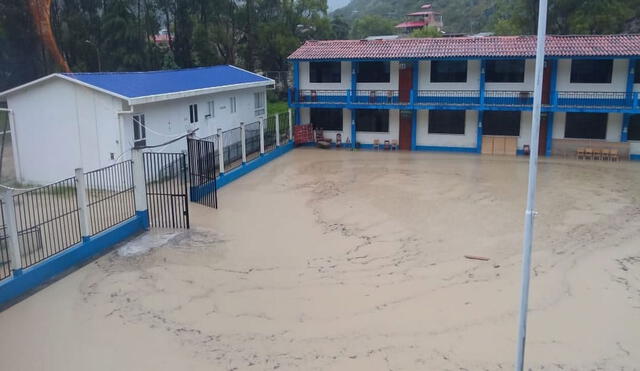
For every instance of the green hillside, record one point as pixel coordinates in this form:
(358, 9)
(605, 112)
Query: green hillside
(466, 16)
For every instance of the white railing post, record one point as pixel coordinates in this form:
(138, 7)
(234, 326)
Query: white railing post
(13, 244)
(261, 136)
(277, 130)
(243, 136)
(83, 205)
(220, 151)
(139, 184)
(290, 124)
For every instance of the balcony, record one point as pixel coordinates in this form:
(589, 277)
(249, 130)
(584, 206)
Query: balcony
(466, 99)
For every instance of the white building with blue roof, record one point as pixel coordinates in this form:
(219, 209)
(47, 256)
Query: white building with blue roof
(91, 120)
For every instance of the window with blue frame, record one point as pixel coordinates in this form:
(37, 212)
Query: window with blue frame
(583, 125)
(591, 71)
(501, 123)
(448, 71)
(326, 118)
(372, 120)
(374, 72)
(324, 72)
(633, 131)
(446, 121)
(504, 70)
(636, 72)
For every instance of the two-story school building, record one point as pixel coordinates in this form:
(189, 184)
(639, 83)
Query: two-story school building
(472, 94)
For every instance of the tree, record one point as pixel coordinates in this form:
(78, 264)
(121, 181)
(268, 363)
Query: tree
(428, 31)
(516, 17)
(121, 39)
(340, 28)
(371, 25)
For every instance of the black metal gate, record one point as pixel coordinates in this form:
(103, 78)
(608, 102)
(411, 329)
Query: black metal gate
(166, 181)
(203, 167)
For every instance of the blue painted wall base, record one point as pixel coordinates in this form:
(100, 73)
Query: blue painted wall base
(238, 172)
(634, 157)
(29, 279)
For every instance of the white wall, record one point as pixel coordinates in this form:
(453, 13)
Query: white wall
(468, 139)
(614, 126)
(473, 78)
(61, 126)
(344, 84)
(170, 119)
(618, 79)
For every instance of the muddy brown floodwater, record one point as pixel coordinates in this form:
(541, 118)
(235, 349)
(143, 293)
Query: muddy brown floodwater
(337, 260)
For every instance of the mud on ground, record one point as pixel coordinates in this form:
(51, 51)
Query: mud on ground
(335, 260)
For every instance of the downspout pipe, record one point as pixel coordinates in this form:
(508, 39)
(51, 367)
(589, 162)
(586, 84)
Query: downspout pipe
(14, 147)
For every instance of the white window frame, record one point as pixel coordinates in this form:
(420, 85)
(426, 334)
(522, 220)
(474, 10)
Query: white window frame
(259, 98)
(212, 109)
(139, 130)
(233, 108)
(193, 113)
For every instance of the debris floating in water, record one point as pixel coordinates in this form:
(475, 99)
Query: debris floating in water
(473, 257)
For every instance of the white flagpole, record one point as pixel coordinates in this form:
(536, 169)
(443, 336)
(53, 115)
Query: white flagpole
(531, 193)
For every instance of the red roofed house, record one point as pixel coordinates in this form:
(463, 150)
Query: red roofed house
(418, 20)
(472, 94)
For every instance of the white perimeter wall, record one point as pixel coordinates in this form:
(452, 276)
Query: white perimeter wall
(170, 119)
(61, 126)
(468, 139)
(618, 78)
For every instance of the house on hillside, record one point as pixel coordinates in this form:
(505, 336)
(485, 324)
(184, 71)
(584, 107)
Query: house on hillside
(472, 94)
(91, 120)
(426, 17)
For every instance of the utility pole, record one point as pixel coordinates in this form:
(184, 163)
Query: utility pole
(531, 192)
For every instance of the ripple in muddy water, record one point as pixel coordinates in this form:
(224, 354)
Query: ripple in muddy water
(195, 239)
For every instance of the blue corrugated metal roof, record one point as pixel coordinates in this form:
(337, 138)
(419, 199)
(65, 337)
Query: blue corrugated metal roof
(142, 84)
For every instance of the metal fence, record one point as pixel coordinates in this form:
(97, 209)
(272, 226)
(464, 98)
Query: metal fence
(284, 126)
(269, 134)
(5, 267)
(47, 220)
(110, 195)
(252, 140)
(232, 147)
(166, 185)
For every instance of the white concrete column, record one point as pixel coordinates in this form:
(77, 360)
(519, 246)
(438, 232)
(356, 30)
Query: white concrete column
(220, 151)
(243, 136)
(277, 130)
(11, 229)
(290, 124)
(261, 136)
(83, 205)
(139, 184)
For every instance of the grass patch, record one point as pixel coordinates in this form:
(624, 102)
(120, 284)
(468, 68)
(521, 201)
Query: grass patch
(274, 108)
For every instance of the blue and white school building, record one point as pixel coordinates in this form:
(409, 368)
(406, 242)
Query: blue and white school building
(472, 94)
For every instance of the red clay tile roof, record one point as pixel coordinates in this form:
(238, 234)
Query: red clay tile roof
(490, 46)
(410, 24)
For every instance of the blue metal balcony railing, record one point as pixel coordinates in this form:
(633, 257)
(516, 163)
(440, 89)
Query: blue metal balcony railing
(321, 96)
(596, 99)
(508, 98)
(447, 97)
(491, 98)
(379, 97)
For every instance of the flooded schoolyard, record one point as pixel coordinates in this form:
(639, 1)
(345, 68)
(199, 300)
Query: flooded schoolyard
(339, 260)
